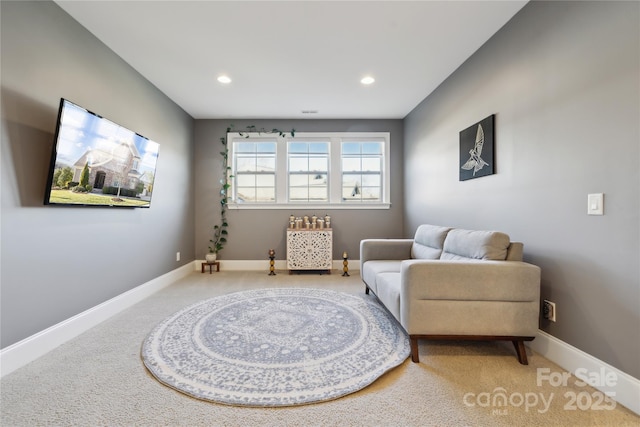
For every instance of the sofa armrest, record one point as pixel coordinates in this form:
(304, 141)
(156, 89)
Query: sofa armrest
(475, 298)
(469, 281)
(385, 249)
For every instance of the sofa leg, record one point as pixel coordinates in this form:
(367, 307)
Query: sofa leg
(520, 351)
(366, 289)
(413, 341)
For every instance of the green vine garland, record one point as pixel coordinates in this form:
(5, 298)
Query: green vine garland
(220, 232)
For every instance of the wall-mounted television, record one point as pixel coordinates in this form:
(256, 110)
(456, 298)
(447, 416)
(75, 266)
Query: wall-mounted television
(96, 162)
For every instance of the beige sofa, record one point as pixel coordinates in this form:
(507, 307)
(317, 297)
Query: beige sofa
(455, 284)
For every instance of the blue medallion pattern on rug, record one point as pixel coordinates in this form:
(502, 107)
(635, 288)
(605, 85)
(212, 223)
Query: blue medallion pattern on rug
(275, 347)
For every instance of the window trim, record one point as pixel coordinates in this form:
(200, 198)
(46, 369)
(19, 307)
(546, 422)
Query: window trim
(334, 173)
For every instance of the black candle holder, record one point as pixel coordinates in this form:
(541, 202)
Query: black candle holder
(272, 257)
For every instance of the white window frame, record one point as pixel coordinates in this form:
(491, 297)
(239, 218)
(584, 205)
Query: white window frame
(334, 173)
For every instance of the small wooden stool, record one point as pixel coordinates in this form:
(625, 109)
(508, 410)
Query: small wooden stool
(211, 264)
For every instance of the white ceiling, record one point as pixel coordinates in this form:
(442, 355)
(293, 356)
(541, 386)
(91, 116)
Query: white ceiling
(288, 56)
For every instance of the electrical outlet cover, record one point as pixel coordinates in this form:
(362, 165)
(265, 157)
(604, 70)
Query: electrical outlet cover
(549, 310)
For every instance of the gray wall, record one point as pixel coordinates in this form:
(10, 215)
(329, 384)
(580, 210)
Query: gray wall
(562, 79)
(58, 262)
(253, 232)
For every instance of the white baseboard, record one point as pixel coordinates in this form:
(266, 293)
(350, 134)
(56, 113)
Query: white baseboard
(19, 354)
(257, 265)
(625, 391)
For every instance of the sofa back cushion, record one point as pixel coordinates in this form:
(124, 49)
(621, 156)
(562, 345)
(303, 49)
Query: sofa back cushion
(515, 251)
(428, 241)
(467, 244)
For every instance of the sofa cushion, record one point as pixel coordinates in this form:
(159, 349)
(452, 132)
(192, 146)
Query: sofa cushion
(428, 241)
(371, 269)
(514, 252)
(467, 244)
(389, 292)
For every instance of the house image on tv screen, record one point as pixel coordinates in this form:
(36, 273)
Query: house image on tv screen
(116, 169)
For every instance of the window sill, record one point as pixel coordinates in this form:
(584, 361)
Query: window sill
(317, 206)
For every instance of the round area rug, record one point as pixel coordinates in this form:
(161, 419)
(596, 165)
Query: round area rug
(275, 347)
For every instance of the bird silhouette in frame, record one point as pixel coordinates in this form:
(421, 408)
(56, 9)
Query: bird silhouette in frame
(476, 162)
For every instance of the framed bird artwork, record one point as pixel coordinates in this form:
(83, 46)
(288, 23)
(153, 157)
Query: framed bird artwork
(476, 149)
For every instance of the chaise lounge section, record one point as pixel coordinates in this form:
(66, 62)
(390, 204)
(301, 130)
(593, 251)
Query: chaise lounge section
(455, 284)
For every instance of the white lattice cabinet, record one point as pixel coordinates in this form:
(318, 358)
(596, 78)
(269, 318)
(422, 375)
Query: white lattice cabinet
(309, 249)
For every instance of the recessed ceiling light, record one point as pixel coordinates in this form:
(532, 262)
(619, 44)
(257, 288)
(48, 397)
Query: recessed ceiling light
(367, 80)
(224, 79)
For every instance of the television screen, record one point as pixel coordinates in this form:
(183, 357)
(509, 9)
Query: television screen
(96, 162)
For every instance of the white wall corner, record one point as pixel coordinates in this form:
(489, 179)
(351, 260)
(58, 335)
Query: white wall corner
(625, 391)
(19, 354)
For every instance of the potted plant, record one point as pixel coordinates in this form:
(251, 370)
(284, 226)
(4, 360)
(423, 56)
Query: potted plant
(218, 241)
(210, 257)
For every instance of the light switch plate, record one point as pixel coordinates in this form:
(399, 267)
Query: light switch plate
(595, 204)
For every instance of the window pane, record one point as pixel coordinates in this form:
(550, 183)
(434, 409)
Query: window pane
(298, 147)
(371, 164)
(297, 194)
(351, 187)
(318, 164)
(371, 180)
(318, 194)
(265, 195)
(244, 147)
(371, 194)
(318, 147)
(318, 179)
(350, 164)
(297, 164)
(256, 194)
(351, 179)
(266, 147)
(266, 181)
(266, 164)
(305, 179)
(372, 148)
(246, 180)
(348, 193)
(350, 148)
(246, 194)
(298, 180)
(245, 164)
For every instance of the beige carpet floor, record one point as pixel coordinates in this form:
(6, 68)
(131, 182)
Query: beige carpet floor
(99, 379)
